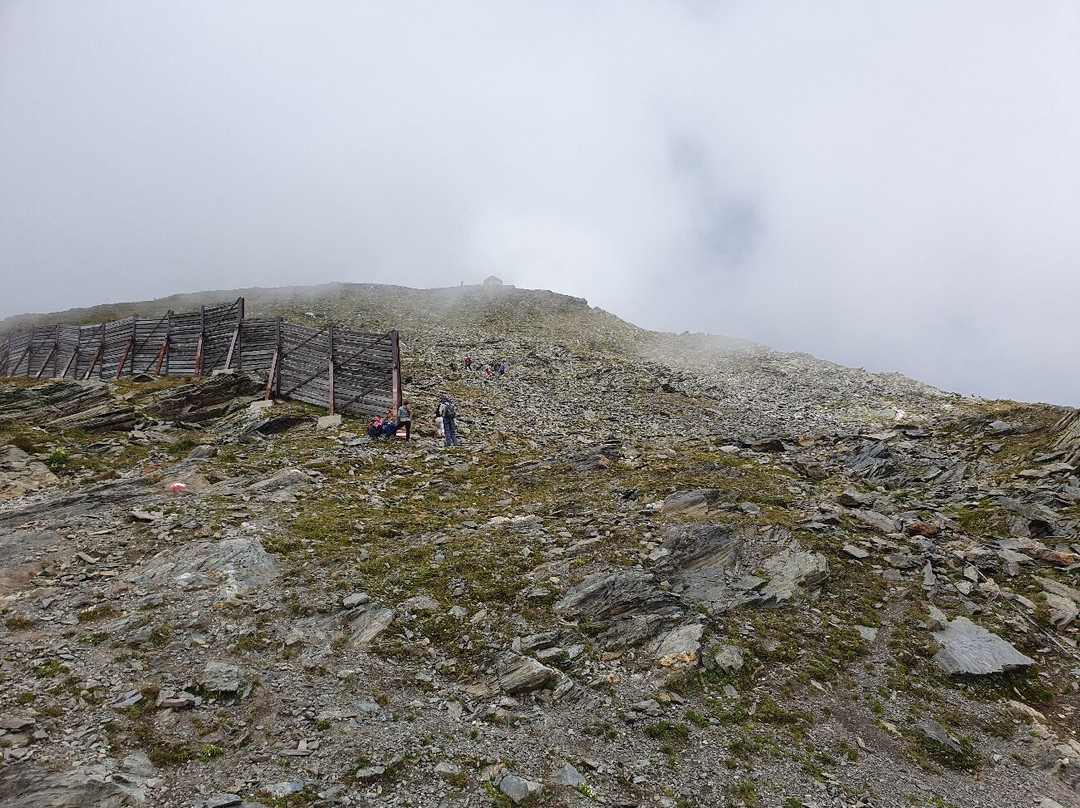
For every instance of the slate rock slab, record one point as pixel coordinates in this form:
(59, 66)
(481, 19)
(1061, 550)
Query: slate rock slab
(32, 787)
(679, 648)
(239, 565)
(285, 480)
(971, 650)
(20, 474)
(567, 776)
(220, 677)
(691, 503)
(521, 674)
(793, 571)
(699, 558)
(518, 789)
(931, 730)
(728, 658)
(607, 595)
(371, 621)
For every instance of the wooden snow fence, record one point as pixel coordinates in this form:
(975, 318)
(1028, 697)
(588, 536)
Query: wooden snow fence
(345, 371)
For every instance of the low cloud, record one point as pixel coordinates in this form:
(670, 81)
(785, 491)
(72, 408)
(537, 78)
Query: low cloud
(893, 188)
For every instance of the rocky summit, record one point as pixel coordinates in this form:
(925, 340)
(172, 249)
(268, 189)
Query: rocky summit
(660, 570)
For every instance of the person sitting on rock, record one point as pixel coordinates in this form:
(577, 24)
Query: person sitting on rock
(389, 426)
(375, 430)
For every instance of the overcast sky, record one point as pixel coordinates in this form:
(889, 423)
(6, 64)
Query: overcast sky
(890, 185)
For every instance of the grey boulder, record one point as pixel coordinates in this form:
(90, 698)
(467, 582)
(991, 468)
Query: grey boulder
(971, 650)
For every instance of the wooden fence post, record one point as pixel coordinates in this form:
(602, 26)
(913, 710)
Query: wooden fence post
(273, 381)
(236, 337)
(330, 364)
(395, 372)
(134, 334)
(129, 349)
(163, 351)
(240, 337)
(202, 335)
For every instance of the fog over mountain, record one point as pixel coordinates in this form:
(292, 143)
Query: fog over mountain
(888, 186)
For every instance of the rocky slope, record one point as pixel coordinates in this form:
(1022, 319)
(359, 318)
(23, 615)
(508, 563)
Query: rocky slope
(661, 570)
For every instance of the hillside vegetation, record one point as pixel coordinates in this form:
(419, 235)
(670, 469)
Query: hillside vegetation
(661, 570)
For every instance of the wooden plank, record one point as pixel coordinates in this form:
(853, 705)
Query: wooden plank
(44, 364)
(363, 349)
(395, 374)
(358, 396)
(232, 347)
(157, 324)
(306, 379)
(202, 341)
(123, 359)
(238, 338)
(215, 330)
(270, 379)
(30, 351)
(71, 359)
(225, 312)
(276, 374)
(130, 349)
(198, 357)
(330, 365)
(161, 356)
(18, 361)
(101, 352)
(96, 358)
(155, 359)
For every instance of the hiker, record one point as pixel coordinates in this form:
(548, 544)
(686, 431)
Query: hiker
(448, 411)
(375, 429)
(389, 425)
(468, 363)
(502, 368)
(438, 423)
(404, 418)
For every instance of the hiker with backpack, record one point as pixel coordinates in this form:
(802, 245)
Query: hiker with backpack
(448, 413)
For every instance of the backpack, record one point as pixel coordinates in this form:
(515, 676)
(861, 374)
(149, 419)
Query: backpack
(449, 409)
